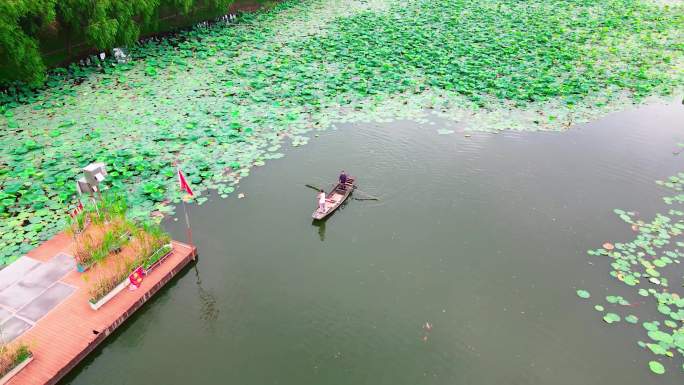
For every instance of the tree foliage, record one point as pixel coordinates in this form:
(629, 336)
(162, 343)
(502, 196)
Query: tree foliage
(183, 6)
(103, 24)
(19, 54)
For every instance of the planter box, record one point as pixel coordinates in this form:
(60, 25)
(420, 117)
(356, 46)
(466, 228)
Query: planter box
(154, 265)
(110, 295)
(5, 379)
(126, 281)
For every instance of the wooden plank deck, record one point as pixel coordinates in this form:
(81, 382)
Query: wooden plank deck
(70, 331)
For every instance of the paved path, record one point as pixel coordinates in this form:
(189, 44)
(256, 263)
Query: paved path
(29, 289)
(47, 298)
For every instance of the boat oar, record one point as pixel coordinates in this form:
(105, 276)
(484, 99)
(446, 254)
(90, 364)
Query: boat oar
(370, 197)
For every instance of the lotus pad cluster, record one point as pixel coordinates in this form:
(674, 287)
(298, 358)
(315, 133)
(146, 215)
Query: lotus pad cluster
(647, 265)
(219, 100)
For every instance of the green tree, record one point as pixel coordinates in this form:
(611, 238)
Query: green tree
(189, 6)
(181, 6)
(20, 57)
(105, 23)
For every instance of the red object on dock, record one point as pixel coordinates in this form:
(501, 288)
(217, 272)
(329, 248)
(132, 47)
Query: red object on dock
(70, 331)
(136, 277)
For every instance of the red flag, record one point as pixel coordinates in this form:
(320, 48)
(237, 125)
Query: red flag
(73, 213)
(183, 183)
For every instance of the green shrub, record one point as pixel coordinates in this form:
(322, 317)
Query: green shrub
(20, 57)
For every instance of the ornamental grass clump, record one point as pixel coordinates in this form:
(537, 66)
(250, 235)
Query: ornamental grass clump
(107, 282)
(152, 238)
(147, 244)
(110, 206)
(108, 231)
(86, 246)
(157, 255)
(101, 239)
(12, 355)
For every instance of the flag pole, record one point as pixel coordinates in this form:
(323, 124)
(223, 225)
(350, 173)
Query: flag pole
(187, 223)
(184, 187)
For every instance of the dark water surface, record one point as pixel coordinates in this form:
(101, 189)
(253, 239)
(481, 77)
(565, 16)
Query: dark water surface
(484, 237)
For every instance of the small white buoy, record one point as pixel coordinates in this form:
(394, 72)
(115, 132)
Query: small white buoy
(241, 195)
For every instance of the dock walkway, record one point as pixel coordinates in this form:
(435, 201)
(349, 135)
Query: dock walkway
(68, 332)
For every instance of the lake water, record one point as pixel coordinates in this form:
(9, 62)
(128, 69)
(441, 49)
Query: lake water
(485, 237)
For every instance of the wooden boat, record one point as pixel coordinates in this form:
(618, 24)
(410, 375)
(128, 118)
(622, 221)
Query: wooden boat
(335, 198)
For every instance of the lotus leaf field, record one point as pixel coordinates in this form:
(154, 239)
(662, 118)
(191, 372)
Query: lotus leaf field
(645, 265)
(221, 99)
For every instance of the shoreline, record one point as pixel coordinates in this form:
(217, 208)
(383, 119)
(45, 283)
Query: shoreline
(174, 27)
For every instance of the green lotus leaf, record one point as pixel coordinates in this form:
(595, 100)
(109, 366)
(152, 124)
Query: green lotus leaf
(670, 323)
(650, 326)
(664, 309)
(656, 367)
(659, 336)
(657, 349)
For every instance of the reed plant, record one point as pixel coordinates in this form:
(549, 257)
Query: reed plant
(156, 256)
(110, 206)
(85, 247)
(155, 236)
(117, 245)
(148, 243)
(12, 355)
(104, 237)
(101, 286)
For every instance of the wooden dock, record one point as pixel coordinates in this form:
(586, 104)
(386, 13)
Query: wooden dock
(70, 331)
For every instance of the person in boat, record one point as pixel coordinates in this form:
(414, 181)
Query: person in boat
(343, 180)
(343, 177)
(321, 201)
